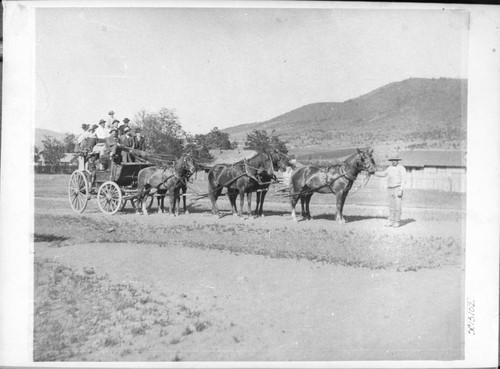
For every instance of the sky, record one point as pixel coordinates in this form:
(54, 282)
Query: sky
(228, 66)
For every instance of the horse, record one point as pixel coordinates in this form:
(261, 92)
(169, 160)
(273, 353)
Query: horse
(280, 162)
(336, 179)
(169, 179)
(243, 177)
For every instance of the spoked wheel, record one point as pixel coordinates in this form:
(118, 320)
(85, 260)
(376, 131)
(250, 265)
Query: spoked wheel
(78, 191)
(109, 198)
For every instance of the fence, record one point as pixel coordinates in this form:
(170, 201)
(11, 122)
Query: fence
(55, 169)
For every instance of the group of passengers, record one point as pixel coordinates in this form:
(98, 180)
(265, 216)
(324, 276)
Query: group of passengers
(109, 140)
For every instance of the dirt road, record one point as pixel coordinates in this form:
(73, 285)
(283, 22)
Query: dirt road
(264, 289)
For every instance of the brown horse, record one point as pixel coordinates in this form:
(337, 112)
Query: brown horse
(336, 179)
(280, 162)
(165, 180)
(243, 177)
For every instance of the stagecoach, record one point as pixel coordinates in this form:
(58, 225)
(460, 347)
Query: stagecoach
(112, 187)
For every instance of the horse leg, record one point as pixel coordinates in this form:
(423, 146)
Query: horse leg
(257, 204)
(293, 202)
(344, 197)
(308, 200)
(249, 203)
(184, 190)
(172, 204)
(177, 202)
(338, 215)
(158, 201)
(144, 202)
(303, 212)
(261, 204)
(242, 201)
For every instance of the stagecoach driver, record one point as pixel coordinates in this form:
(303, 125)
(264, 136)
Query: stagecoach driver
(396, 181)
(100, 148)
(127, 140)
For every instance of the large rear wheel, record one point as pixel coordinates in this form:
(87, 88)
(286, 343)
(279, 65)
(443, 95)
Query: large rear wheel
(109, 197)
(78, 191)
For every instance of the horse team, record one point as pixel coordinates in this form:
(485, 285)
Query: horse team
(256, 175)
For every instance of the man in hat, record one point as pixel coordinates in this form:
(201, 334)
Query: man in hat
(115, 123)
(121, 126)
(139, 140)
(91, 138)
(80, 146)
(80, 140)
(113, 150)
(127, 140)
(101, 133)
(111, 119)
(396, 181)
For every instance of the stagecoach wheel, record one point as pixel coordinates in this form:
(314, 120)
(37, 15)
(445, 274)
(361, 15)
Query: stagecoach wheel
(78, 191)
(109, 198)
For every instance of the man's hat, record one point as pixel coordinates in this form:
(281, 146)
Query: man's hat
(111, 112)
(102, 121)
(94, 126)
(394, 159)
(137, 130)
(121, 124)
(112, 129)
(126, 129)
(126, 120)
(116, 120)
(85, 126)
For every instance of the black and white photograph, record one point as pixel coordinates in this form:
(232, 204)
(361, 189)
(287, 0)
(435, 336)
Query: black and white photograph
(249, 183)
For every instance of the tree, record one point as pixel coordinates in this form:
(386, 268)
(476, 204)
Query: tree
(69, 142)
(53, 150)
(215, 139)
(197, 149)
(260, 141)
(162, 131)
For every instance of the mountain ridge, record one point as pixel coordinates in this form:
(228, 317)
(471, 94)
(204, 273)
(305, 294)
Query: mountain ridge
(413, 113)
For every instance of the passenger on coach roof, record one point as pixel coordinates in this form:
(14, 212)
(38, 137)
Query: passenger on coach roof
(139, 140)
(126, 140)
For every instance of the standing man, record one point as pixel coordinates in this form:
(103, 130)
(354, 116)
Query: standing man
(80, 140)
(81, 144)
(91, 138)
(111, 119)
(113, 150)
(101, 133)
(139, 140)
(396, 181)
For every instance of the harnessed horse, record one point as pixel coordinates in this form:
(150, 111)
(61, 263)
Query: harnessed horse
(165, 180)
(280, 162)
(337, 179)
(243, 177)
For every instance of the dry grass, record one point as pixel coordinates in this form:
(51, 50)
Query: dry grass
(85, 317)
(340, 246)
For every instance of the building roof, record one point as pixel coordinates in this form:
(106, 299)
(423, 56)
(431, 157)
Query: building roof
(230, 156)
(415, 158)
(429, 158)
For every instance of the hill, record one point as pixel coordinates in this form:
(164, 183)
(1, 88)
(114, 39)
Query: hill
(414, 113)
(40, 134)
